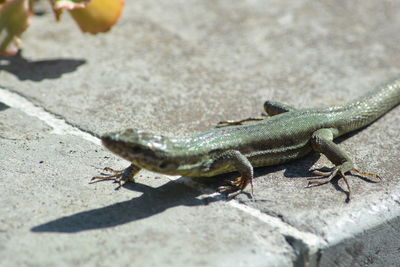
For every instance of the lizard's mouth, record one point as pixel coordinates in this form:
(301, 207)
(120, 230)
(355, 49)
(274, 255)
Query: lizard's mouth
(127, 151)
(113, 146)
(131, 151)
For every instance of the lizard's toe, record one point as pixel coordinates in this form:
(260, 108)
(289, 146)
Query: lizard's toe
(226, 188)
(120, 177)
(236, 187)
(368, 175)
(105, 176)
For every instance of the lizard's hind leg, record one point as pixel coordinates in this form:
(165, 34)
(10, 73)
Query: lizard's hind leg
(321, 141)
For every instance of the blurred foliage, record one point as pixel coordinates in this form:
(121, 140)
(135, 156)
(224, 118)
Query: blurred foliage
(91, 16)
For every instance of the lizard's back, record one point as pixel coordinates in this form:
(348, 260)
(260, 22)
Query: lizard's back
(287, 136)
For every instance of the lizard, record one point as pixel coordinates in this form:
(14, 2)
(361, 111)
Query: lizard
(286, 134)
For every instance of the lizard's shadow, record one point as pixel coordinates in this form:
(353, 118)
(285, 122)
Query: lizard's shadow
(151, 202)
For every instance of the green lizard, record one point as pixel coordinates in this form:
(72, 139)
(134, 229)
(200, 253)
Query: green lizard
(288, 134)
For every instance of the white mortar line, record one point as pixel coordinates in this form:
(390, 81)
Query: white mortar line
(58, 126)
(313, 241)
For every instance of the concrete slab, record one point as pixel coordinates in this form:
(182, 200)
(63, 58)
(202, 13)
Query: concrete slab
(52, 216)
(178, 68)
(375, 246)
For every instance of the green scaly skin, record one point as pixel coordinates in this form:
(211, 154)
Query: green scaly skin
(287, 135)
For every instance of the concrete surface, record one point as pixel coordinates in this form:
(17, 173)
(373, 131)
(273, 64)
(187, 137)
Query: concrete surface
(52, 216)
(176, 68)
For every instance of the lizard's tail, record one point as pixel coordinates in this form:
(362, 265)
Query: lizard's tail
(370, 107)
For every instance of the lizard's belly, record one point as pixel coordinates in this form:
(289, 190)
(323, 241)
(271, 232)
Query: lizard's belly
(268, 158)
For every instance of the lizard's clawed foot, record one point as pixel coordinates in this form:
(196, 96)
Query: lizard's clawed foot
(325, 173)
(328, 174)
(237, 186)
(118, 176)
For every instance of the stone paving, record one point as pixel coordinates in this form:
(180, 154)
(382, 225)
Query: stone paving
(177, 68)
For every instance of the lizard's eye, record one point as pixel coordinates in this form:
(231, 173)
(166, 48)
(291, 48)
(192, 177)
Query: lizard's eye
(165, 165)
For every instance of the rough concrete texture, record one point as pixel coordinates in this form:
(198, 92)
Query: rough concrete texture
(176, 68)
(52, 216)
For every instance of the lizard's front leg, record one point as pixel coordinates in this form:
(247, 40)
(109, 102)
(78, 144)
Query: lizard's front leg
(121, 176)
(241, 164)
(321, 141)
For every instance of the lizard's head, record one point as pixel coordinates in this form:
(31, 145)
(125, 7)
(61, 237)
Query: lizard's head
(153, 152)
